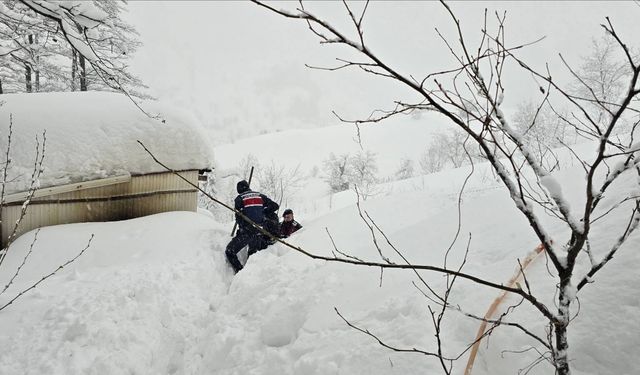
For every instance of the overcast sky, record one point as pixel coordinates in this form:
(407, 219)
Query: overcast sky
(241, 70)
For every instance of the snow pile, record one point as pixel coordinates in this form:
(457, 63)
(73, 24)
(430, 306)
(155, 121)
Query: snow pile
(93, 135)
(135, 302)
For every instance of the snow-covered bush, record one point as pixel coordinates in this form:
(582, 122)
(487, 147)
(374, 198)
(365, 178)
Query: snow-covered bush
(363, 173)
(405, 170)
(346, 171)
(446, 150)
(431, 161)
(337, 170)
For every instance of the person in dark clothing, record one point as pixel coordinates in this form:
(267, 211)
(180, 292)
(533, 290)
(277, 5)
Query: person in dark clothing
(271, 225)
(289, 225)
(253, 205)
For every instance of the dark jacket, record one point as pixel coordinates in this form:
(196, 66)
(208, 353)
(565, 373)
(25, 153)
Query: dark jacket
(253, 204)
(288, 227)
(271, 223)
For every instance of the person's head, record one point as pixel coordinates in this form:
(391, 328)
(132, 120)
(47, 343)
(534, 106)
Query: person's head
(287, 215)
(242, 186)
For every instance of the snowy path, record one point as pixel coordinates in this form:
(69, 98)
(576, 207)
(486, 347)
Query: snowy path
(136, 302)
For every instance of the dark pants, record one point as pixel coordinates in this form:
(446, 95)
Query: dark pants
(272, 226)
(253, 238)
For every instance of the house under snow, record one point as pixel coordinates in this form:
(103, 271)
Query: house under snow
(94, 169)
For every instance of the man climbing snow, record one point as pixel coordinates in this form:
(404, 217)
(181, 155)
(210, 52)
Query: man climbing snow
(289, 225)
(251, 204)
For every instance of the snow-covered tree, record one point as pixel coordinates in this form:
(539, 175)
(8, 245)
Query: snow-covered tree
(601, 79)
(68, 45)
(431, 160)
(451, 146)
(337, 171)
(405, 170)
(114, 40)
(543, 129)
(345, 171)
(363, 173)
(446, 149)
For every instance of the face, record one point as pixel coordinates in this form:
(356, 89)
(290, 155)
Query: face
(288, 217)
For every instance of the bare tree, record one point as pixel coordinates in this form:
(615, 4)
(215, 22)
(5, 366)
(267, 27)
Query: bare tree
(279, 182)
(13, 274)
(470, 96)
(244, 166)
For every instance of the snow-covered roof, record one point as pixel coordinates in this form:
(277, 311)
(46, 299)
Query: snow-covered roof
(92, 135)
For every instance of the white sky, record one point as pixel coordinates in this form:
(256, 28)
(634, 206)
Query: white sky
(240, 68)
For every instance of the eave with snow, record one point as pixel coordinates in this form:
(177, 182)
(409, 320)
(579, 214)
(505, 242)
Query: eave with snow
(94, 168)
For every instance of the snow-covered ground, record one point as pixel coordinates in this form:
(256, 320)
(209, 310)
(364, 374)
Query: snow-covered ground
(155, 296)
(310, 147)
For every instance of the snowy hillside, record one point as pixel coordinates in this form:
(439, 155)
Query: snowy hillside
(155, 296)
(306, 150)
(309, 147)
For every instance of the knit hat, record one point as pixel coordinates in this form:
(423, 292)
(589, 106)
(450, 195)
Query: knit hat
(287, 212)
(242, 186)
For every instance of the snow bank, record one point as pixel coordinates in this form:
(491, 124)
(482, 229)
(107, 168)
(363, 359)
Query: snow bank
(135, 302)
(93, 135)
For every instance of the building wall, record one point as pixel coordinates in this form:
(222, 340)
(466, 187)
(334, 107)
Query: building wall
(142, 195)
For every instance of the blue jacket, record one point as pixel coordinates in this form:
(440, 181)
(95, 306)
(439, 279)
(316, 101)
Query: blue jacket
(253, 205)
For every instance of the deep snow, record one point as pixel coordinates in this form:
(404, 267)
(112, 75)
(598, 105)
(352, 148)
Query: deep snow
(154, 295)
(92, 135)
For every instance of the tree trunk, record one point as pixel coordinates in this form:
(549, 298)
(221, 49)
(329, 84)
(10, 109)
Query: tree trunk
(1, 91)
(27, 73)
(34, 39)
(27, 78)
(83, 74)
(562, 343)
(74, 69)
(83, 68)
